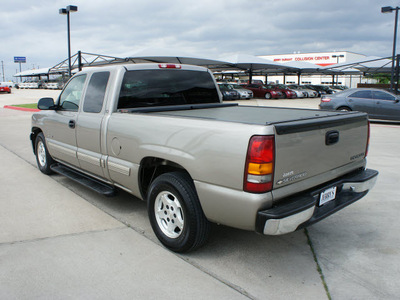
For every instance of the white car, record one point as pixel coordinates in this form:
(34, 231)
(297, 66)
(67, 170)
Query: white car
(309, 92)
(243, 93)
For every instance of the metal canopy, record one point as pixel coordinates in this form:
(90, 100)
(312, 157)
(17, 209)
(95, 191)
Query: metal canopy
(81, 59)
(370, 64)
(161, 55)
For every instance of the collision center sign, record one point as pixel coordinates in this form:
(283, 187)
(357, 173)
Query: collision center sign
(20, 59)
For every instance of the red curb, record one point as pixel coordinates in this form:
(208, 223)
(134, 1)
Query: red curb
(21, 108)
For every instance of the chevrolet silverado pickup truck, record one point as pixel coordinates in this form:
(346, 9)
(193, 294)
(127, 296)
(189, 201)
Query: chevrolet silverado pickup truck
(162, 133)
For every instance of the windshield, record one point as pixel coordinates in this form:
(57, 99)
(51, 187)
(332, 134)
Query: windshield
(146, 88)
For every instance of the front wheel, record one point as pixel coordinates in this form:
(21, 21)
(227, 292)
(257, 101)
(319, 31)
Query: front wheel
(267, 95)
(43, 157)
(175, 213)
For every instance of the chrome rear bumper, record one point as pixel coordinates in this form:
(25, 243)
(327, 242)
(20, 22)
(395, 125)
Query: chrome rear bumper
(303, 210)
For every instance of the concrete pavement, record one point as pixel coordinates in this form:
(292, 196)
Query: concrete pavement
(60, 240)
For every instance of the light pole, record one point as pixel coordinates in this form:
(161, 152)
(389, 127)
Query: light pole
(66, 11)
(337, 61)
(384, 10)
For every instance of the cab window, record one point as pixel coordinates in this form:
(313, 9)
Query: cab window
(71, 96)
(96, 90)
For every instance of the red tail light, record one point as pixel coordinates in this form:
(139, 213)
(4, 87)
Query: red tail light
(323, 99)
(260, 164)
(169, 66)
(369, 132)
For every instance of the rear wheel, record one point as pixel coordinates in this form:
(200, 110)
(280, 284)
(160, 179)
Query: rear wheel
(175, 213)
(344, 108)
(43, 158)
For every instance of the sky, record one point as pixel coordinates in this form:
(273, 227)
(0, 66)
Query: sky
(206, 28)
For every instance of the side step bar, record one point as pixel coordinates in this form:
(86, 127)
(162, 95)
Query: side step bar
(91, 183)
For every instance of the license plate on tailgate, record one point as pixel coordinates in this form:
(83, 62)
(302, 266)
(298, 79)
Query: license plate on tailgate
(327, 195)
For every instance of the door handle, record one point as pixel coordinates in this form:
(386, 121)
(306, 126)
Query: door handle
(71, 124)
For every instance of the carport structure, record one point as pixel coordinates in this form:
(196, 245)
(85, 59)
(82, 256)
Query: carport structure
(240, 64)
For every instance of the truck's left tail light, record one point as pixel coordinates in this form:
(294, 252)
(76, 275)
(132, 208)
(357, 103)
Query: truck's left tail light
(260, 164)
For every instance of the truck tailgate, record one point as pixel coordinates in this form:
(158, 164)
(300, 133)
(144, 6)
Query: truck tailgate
(309, 148)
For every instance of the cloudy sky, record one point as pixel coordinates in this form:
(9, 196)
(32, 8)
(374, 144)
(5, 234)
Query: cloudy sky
(211, 28)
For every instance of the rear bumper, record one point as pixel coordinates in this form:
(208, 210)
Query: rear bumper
(303, 210)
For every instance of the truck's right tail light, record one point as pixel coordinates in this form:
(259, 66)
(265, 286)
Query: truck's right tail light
(368, 137)
(259, 169)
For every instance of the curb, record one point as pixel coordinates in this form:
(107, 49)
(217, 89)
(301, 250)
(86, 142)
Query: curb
(21, 108)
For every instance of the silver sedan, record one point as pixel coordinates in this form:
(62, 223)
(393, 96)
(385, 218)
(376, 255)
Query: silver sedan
(379, 104)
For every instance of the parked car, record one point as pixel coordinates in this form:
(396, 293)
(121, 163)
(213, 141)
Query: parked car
(310, 93)
(286, 93)
(5, 89)
(377, 103)
(263, 91)
(243, 93)
(299, 93)
(228, 93)
(320, 89)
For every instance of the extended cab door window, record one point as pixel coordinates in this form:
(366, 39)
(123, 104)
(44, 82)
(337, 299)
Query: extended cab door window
(71, 96)
(89, 132)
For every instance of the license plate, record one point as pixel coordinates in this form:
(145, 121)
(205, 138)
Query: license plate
(327, 195)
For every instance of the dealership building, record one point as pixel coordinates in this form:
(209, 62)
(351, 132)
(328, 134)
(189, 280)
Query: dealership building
(349, 78)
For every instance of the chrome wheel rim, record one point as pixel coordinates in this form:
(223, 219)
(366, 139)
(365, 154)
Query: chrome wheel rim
(41, 153)
(169, 214)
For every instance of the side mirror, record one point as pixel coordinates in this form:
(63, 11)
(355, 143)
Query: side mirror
(46, 104)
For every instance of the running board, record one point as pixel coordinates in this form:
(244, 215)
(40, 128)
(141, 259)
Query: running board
(85, 180)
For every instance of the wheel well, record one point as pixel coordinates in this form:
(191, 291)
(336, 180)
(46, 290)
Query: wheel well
(343, 107)
(151, 168)
(35, 131)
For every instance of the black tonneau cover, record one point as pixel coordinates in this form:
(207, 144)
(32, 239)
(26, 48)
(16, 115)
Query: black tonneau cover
(285, 120)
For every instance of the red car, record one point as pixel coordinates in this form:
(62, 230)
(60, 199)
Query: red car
(287, 93)
(261, 91)
(5, 89)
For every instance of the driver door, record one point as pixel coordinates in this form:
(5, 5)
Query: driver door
(61, 140)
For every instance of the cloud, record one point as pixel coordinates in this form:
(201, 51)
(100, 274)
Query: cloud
(208, 28)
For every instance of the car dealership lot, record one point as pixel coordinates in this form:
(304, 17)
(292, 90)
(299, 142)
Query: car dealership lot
(61, 240)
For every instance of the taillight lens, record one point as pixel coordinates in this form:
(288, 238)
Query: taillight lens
(369, 133)
(259, 169)
(325, 99)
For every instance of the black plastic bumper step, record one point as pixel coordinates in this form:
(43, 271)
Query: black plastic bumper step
(91, 183)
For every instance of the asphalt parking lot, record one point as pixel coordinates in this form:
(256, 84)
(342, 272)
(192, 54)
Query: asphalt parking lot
(62, 241)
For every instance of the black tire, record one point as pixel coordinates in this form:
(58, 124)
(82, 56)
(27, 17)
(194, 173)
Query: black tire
(43, 158)
(284, 96)
(344, 108)
(267, 95)
(180, 224)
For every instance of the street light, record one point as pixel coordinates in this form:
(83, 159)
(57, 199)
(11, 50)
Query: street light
(384, 10)
(66, 11)
(337, 61)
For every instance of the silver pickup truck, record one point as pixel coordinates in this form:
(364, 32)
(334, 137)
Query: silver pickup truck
(162, 133)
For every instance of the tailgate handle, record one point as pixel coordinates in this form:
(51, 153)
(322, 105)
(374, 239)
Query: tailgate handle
(331, 137)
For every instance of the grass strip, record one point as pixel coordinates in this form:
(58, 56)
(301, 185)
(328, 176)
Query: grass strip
(29, 105)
